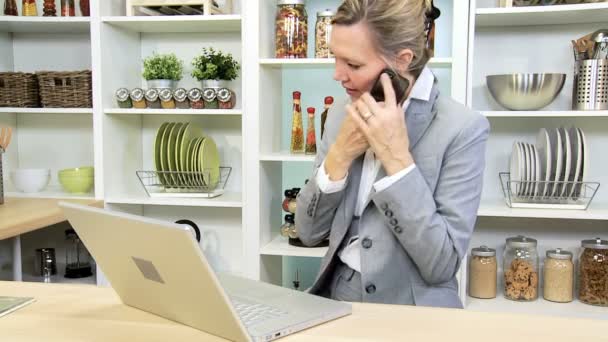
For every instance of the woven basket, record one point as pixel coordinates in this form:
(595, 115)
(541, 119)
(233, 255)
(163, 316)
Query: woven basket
(18, 89)
(65, 89)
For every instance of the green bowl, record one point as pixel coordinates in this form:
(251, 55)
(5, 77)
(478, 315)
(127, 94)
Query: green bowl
(78, 184)
(78, 171)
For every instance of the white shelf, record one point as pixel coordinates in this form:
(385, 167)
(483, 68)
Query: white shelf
(227, 200)
(287, 157)
(178, 24)
(498, 208)
(329, 62)
(542, 15)
(546, 114)
(45, 24)
(131, 111)
(280, 246)
(51, 192)
(537, 307)
(16, 110)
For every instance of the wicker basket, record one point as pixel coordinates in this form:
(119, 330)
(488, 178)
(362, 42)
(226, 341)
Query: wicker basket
(18, 89)
(65, 89)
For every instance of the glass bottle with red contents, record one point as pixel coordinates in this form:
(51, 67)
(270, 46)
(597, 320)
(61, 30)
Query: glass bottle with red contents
(311, 139)
(328, 102)
(297, 129)
(49, 9)
(68, 8)
(10, 7)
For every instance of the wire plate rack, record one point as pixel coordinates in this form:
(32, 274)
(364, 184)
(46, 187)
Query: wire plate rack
(547, 194)
(202, 184)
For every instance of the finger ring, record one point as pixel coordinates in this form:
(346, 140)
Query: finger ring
(367, 116)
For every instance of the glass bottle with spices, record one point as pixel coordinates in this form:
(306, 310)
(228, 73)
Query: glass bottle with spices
(482, 273)
(226, 98)
(195, 96)
(180, 95)
(288, 229)
(311, 139)
(49, 9)
(85, 8)
(297, 130)
(291, 29)
(28, 8)
(521, 269)
(123, 98)
(137, 98)
(166, 99)
(593, 272)
(558, 275)
(10, 7)
(152, 100)
(68, 9)
(323, 34)
(210, 98)
(328, 102)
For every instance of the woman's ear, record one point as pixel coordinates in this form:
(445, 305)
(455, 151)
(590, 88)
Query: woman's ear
(403, 60)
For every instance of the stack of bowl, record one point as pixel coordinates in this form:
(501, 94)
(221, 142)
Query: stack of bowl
(30, 180)
(78, 180)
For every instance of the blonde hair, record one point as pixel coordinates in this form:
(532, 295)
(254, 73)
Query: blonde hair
(395, 25)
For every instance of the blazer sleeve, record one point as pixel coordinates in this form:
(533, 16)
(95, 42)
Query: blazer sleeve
(435, 228)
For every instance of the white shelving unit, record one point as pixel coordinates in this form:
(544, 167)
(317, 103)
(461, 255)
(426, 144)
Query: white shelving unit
(541, 15)
(177, 24)
(45, 24)
(546, 114)
(287, 157)
(227, 200)
(13, 110)
(119, 111)
(280, 247)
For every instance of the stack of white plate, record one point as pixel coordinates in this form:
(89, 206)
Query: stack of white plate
(185, 157)
(553, 168)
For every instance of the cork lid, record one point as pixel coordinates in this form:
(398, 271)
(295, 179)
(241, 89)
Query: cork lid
(559, 253)
(521, 241)
(596, 243)
(483, 251)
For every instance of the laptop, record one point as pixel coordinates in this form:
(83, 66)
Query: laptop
(158, 267)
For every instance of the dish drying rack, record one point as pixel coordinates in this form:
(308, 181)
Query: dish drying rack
(182, 184)
(532, 194)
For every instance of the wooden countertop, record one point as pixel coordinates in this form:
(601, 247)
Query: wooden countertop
(88, 313)
(22, 215)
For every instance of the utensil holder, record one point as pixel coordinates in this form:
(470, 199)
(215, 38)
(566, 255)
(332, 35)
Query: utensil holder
(591, 85)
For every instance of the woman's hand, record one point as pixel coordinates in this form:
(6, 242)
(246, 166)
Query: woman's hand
(350, 144)
(383, 124)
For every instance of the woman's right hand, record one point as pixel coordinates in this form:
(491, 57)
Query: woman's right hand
(349, 145)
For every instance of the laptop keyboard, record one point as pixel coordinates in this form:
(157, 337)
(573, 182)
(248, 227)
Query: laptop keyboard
(252, 313)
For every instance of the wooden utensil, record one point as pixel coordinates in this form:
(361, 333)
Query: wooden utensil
(5, 137)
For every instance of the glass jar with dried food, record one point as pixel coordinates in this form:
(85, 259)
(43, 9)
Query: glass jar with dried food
(311, 139)
(521, 269)
(297, 128)
(28, 8)
(226, 98)
(289, 203)
(68, 9)
(166, 99)
(49, 9)
(10, 7)
(558, 276)
(152, 100)
(123, 98)
(85, 8)
(328, 102)
(210, 98)
(288, 229)
(195, 96)
(180, 95)
(291, 29)
(482, 273)
(593, 272)
(323, 34)
(137, 98)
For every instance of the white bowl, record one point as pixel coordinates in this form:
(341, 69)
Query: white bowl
(30, 180)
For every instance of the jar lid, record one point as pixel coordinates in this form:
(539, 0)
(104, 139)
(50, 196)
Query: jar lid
(290, 218)
(483, 251)
(151, 94)
(326, 13)
(122, 94)
(209, 94)
(195, 94)
(180, 94)
(166, 94)
(224, 95)
(521, 241)
(596, 243)
(290, 2)
(137, 94)
(559, 253)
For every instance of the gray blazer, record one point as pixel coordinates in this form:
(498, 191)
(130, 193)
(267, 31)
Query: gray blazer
(419, 228)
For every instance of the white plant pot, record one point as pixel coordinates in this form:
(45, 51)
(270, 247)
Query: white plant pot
(160, 84)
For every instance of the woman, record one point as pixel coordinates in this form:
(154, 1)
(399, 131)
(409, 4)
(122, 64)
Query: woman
(396, 186)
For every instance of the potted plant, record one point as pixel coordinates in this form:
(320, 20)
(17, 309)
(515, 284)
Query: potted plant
(163, 70)
(214, 68)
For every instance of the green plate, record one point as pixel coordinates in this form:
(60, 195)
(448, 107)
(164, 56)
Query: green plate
(157, 149)
(177, 154)
(171, 142)
(163, 154)
(189, 164)
(210, 163)
(189, 132)
(197, 179)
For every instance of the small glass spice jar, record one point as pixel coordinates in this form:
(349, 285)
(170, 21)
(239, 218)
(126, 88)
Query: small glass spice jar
(68, 9)
(195, 96)
(85, 8)
(123, 98)
(226, 98)
(288, 229)
(166, 99)
(210, 98)
(152, 100)
(323, 34)
(593, 272)
(521, 269)
(482, 273)
(28, 8)
(180, 95)
(48, 9)
(10, 7)
(558, 275)
(137, 97)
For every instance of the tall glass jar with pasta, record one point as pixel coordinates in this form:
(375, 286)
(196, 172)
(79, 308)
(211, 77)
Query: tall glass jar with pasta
(593, 272)
(291, 29)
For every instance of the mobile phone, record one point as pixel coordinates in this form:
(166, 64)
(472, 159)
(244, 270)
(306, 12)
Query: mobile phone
(399, 83)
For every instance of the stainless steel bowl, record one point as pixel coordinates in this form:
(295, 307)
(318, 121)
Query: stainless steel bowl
(525, 91)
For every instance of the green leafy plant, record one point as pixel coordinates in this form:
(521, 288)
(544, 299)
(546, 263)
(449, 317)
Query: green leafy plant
(163, 67)
(215, 65)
